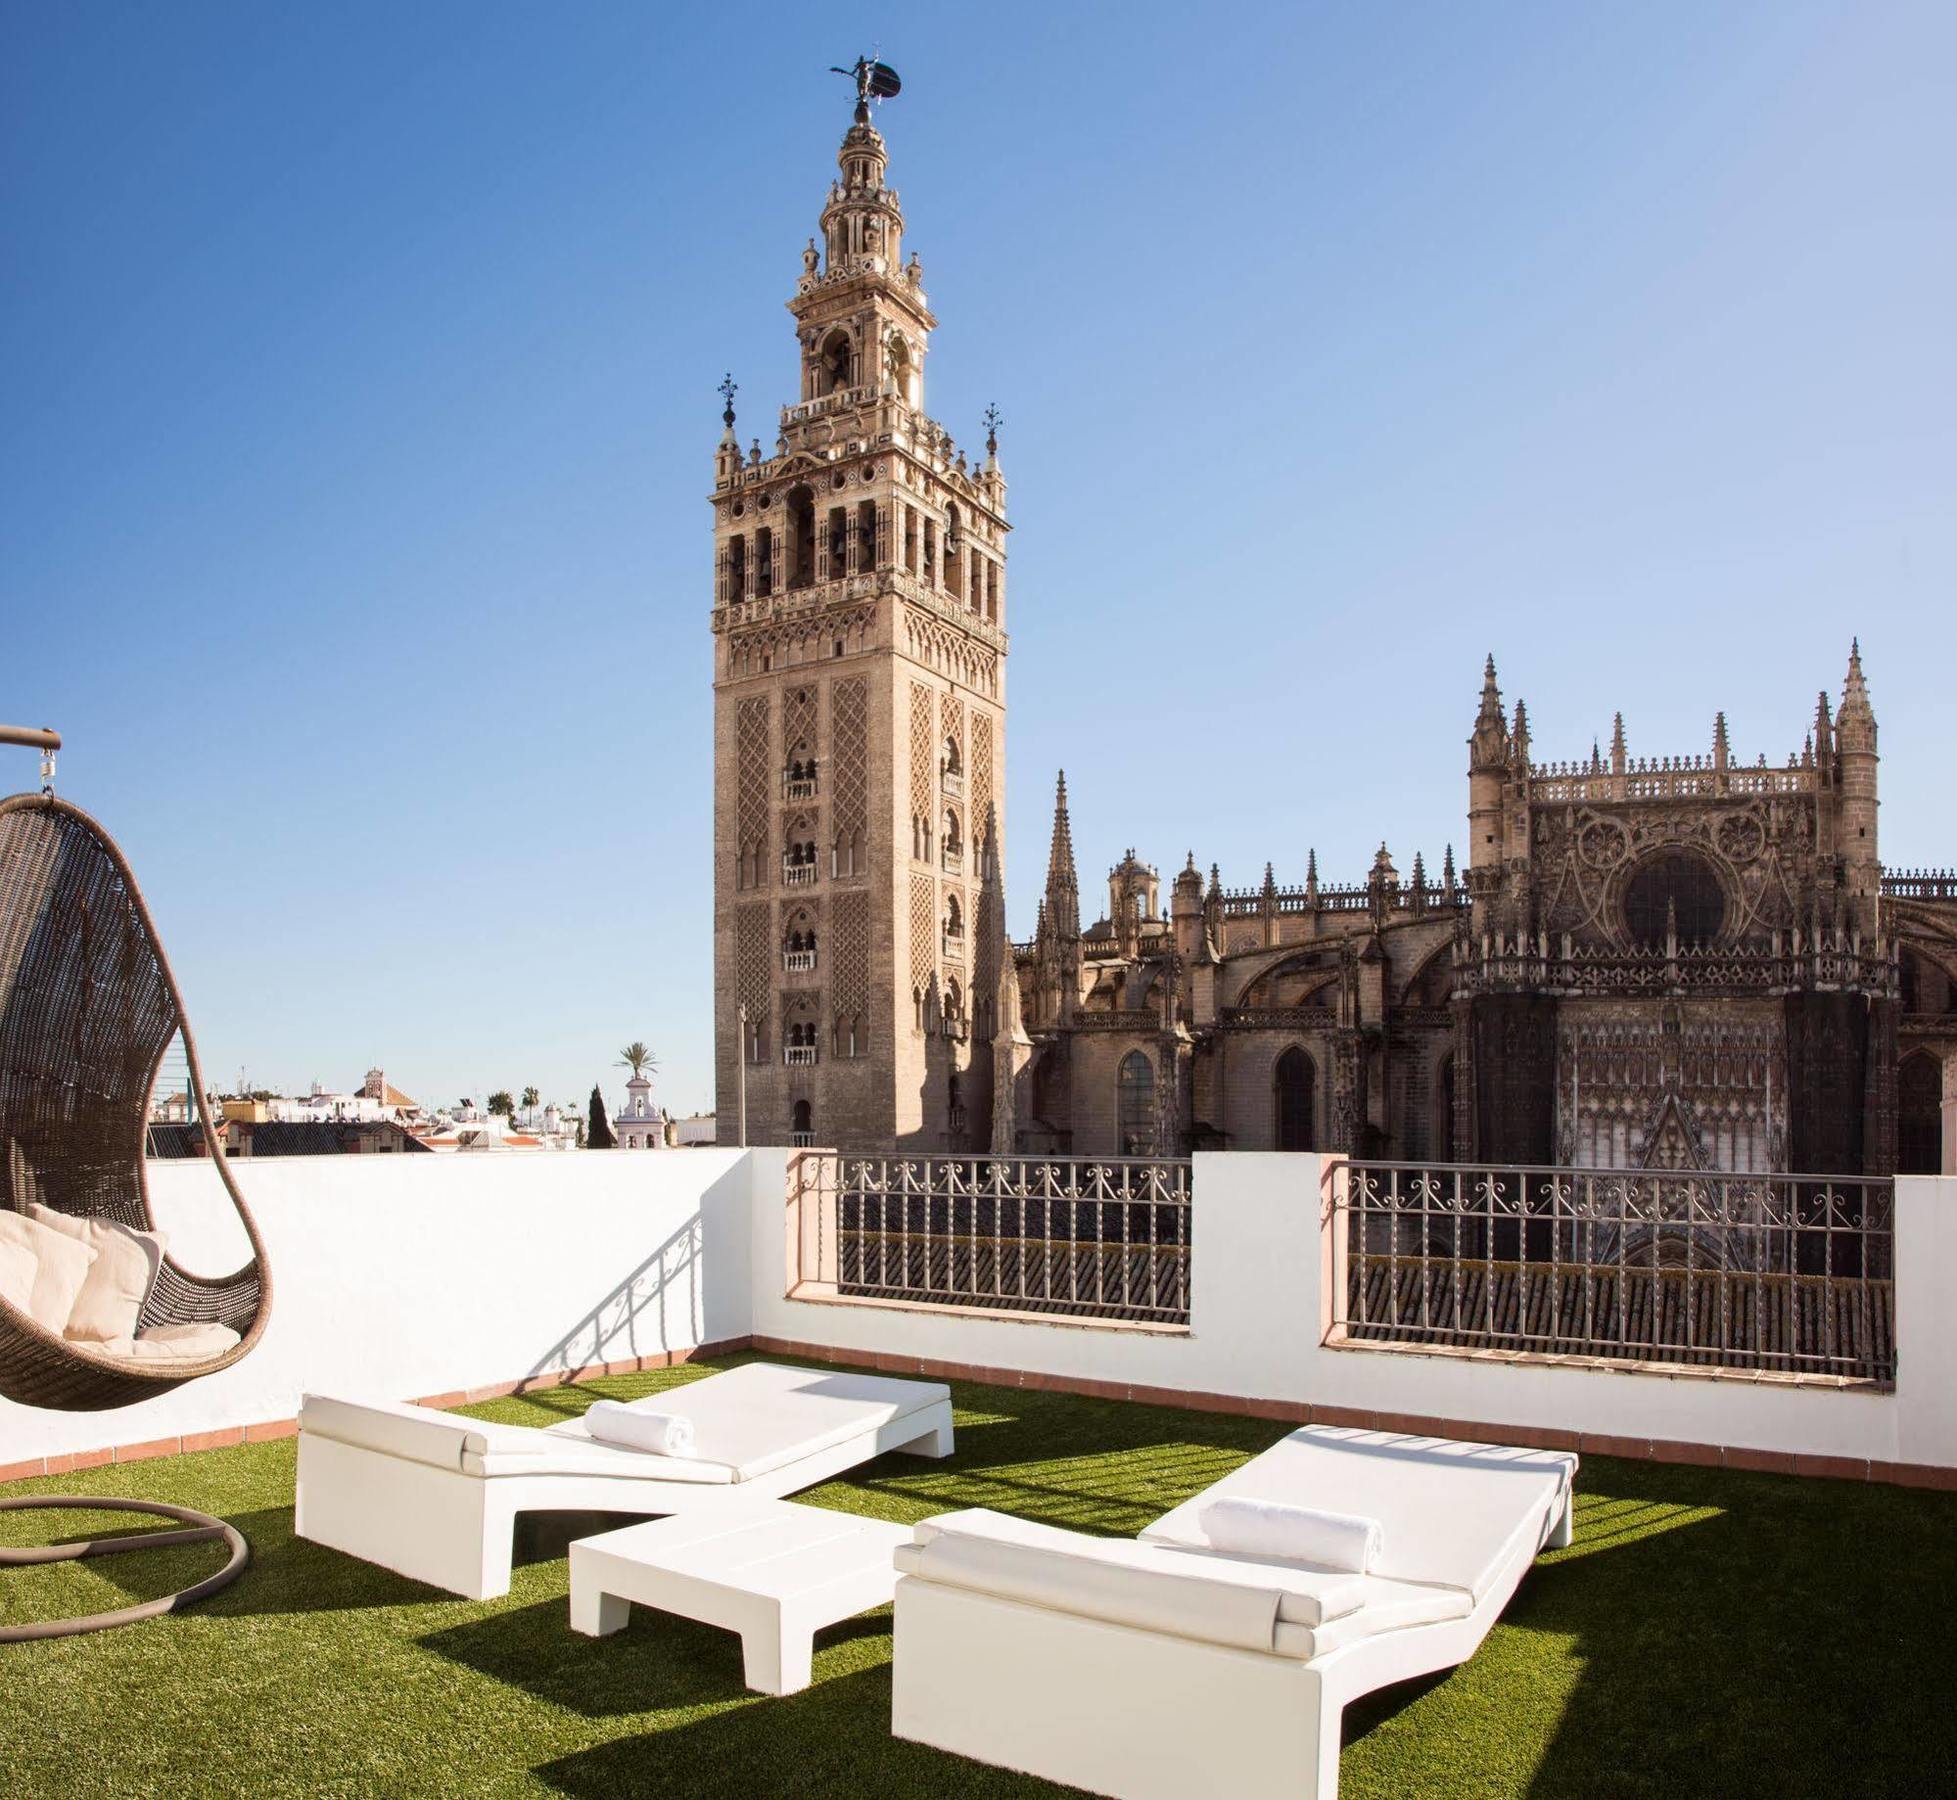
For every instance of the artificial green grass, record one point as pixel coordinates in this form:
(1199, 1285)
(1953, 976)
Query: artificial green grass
(1708, 1633)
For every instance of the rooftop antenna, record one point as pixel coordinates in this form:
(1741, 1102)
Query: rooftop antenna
(874, 81)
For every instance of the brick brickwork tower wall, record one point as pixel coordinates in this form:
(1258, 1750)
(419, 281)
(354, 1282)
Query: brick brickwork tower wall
(859, 722)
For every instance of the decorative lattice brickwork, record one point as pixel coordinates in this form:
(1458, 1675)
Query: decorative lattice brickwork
(924, 931)
(849, 955)
(752, 785)
(849, 755)
(924, 759)
(754, 957)
(981, 753)
(798, 722)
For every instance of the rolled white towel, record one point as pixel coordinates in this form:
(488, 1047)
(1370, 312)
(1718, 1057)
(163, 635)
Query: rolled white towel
(664, 1434)
(1331, 1540)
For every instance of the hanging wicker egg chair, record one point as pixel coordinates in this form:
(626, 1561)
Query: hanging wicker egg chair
(88, 1007)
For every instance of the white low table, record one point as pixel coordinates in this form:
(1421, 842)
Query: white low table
(773, 1572)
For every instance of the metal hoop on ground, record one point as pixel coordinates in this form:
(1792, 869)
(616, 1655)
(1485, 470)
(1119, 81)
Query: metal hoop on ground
(201, 1528)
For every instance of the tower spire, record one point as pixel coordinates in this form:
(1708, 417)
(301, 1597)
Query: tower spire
(1488, 747)
(1857, 716)
(1062, 883)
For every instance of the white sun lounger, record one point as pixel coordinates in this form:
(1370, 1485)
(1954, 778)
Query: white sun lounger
(1162, 1667)
(435, 1497)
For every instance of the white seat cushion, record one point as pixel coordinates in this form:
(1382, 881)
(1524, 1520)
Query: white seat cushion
(1216, 1599)
(763, 1416)
(172, 1343)
(746, 1423)
(1451, 1512)
(119, 1279)
(59, 1270)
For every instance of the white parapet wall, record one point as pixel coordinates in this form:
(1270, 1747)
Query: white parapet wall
(1257, 1319)
(404, 1276)
(411, 1276)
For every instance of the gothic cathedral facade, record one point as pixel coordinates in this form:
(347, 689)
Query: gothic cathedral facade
(859, 722)
(1682, 961)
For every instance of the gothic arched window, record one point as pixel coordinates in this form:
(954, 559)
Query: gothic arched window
(1134, 1094)
(1919, 1107)
(1674, 887)
(1294, 1085)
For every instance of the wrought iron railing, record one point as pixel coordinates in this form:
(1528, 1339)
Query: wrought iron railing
(1077, 1237)
(1786, 1273)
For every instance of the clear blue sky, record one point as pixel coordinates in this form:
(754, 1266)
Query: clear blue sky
(359, 366)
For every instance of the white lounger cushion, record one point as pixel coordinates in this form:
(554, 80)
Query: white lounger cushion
(1451, 1512)
(763, 1416)
(1219, 1600)
(746, 1423)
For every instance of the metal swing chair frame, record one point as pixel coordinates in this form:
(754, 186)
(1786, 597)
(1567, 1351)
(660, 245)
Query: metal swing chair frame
(88, 1007)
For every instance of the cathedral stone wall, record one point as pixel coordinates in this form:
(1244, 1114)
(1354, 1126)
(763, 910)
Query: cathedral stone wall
(1690, 959)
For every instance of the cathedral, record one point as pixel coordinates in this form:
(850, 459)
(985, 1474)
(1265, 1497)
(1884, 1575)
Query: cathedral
(1685, 961)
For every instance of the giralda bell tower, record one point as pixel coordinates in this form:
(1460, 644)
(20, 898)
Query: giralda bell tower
(859, 719)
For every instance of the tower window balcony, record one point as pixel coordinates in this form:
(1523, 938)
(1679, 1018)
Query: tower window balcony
(800, 786)
(798, 1055)
(798, 962)
(953, 784)
(794, 874)
(954, 861)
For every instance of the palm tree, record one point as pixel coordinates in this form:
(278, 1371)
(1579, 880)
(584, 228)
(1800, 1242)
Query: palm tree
(530, 1099)
(636, 1057)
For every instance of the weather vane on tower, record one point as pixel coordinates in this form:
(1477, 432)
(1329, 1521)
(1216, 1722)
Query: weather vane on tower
(728, 388)
(874, 81)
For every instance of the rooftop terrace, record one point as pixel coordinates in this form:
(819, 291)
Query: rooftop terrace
(1710, 1631)
(1764, 1524)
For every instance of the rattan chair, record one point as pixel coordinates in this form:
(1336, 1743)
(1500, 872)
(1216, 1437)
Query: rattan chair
(88, 1007)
